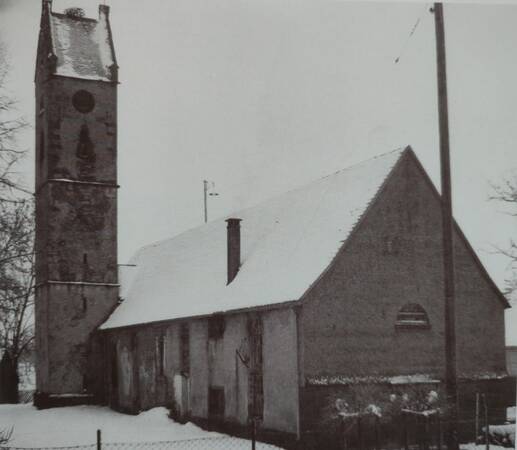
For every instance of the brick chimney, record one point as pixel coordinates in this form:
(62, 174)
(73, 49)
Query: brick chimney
(46, 6)
(104, 10)
(234, 247)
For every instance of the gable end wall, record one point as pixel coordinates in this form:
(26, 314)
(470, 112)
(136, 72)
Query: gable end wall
(348, 318)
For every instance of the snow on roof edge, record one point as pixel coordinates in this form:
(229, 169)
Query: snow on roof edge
(149, 251)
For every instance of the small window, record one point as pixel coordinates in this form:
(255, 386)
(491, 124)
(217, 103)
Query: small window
(412, 315)
(216, 327)
(391, 245)
(160, 354)
(216, 402)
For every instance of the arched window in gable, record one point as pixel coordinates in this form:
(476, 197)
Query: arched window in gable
(412, 315)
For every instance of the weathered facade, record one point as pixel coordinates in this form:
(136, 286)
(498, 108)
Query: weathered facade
(76, 199)
(349, 319)
(210, 368)
(272, 314)
(373, 317)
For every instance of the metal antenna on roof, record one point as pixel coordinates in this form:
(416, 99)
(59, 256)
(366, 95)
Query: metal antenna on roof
(206, 193)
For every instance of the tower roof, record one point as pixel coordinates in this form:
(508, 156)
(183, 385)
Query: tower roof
(81, 47)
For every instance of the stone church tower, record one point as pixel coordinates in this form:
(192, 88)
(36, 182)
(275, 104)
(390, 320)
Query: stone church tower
(76, 200)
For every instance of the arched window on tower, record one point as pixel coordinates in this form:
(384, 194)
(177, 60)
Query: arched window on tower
(411, 316)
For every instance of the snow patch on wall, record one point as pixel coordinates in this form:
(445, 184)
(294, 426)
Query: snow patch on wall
(395, 380)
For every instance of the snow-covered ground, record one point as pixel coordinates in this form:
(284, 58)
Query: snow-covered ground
(481, 447)
(73, 426)
(77, 425)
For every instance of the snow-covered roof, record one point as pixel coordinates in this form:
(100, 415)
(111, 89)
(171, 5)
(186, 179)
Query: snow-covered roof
(83, 46)
(286, 243)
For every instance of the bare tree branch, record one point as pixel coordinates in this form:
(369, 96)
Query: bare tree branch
(16, 237)
(506, 192)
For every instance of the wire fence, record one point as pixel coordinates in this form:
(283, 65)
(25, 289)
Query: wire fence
(408, 432)
(26, 396)
(208, 443)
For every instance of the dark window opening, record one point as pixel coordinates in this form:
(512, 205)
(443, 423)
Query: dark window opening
(185, 348)
(85, 304)
(216, 402)
(85, 258)
(161, 354)
(85, 147)
(83, 101)
(216, 327)
(412, 315)
(391, 245)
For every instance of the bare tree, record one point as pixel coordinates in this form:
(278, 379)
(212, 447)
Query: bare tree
(16, 277)
(11, 123)
(506, 192)
(16, 245)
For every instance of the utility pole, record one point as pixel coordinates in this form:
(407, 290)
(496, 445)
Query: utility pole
(205, 198)
(447, 235)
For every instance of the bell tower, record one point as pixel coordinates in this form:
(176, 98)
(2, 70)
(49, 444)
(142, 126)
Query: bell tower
(76, 200)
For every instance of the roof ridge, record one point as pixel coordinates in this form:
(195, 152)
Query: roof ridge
(359, 163)
(316, 180)
(264, 201)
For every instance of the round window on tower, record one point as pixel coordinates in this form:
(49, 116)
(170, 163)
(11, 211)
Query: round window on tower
(83, 101)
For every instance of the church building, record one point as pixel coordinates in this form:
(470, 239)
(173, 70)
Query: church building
(272, 313)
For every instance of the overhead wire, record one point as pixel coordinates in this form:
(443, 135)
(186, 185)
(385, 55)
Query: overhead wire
(411, 33)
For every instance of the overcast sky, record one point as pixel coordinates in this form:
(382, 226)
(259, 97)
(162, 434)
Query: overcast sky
(262, 96)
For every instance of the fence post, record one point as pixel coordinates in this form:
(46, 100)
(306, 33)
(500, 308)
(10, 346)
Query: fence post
(427, 434)
(253, 433)
(421, 432)
(406, 443)
(343, 433)
(487, 430)
(377, 440)
(99, 444)
(360, 433)
(439, 419)
(477, 418)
